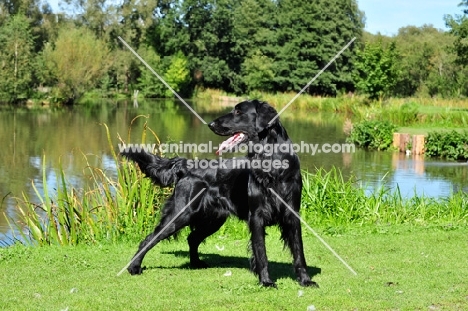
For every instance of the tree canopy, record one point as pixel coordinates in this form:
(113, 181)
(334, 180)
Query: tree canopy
(237, 46)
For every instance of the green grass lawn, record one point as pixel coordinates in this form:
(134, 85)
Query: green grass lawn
(424, 130)
(399, 268)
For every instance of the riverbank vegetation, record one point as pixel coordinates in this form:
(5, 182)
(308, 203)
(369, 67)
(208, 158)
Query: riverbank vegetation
(379, 135)
(84, 237)
(447, 145)
(239, 47)
(125, 207)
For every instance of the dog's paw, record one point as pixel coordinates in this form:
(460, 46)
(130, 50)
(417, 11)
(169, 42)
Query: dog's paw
(135, 270)
(269, 283)
(198, 264)
(308, 283)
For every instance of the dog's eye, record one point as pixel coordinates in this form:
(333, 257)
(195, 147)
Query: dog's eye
(237, 112)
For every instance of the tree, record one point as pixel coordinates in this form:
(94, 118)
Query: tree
(78, 61)
(425, 64)
(257, 71)
(178, 74)
(123, 68)
(254, 32)
(36, 12)
(459, 29)
(137, 18)
(308, 35)
(225, 39)
(211, 43)
(464, 3)
(148, 83)
(377, 69)
(15, 58)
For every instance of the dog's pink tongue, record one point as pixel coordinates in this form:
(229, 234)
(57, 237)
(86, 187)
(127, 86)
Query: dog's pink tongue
(230, 142)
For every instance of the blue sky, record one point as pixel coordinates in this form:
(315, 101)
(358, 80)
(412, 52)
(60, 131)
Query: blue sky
(387, 16)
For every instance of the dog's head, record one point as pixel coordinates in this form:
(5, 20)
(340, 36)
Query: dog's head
(244, 123)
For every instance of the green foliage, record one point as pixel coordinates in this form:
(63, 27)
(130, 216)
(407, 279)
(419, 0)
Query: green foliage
(372, 134)
(307, 38)
(174, 71)
(148, 83)
(16, 53)
(459, 28)
(178, 74)
(227, 41)
(426, 65)
(409, 113)
(258, 72)
(78, 61)
(237, 47)
(377, 69)
(404, 115)
(447, 145)
(204, 33)
(329, 200)
(108, 210)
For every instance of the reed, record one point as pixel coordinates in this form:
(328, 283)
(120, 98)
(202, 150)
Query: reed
(107, 209)
(330, 200)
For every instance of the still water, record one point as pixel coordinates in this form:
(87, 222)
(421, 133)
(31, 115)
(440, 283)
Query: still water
(54, 138)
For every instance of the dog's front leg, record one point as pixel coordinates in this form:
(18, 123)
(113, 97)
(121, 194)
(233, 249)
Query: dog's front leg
(259, 262)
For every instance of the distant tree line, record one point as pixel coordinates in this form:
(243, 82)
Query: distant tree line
(238, 46)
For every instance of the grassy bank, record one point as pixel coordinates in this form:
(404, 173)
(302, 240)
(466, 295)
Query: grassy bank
(127, 208)
(415, 113)
(399, 268)
(409, 253)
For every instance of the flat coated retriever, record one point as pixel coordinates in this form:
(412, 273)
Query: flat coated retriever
(246, 187)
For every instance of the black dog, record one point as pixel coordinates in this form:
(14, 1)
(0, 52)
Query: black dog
(247, 188)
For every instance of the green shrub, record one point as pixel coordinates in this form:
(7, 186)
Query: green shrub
(451, 145)
(373, 135)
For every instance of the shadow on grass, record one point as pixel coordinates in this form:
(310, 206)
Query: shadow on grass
(277, 270)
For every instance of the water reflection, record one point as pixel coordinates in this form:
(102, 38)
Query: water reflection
(64, 136)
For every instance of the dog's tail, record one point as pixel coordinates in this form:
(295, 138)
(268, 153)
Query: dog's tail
(162, 171)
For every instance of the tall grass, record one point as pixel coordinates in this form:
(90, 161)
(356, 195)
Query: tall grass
(108, 209)
(330, 200)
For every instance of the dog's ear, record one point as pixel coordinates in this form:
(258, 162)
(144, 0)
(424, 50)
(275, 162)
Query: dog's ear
(265, 113)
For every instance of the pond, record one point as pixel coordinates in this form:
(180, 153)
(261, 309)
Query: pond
(33, 139)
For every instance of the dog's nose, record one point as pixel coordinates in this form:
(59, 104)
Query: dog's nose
(212, 125)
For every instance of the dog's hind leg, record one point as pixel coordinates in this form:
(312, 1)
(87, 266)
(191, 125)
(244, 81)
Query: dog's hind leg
(176, 215)
(162, 231)
(201, 231)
